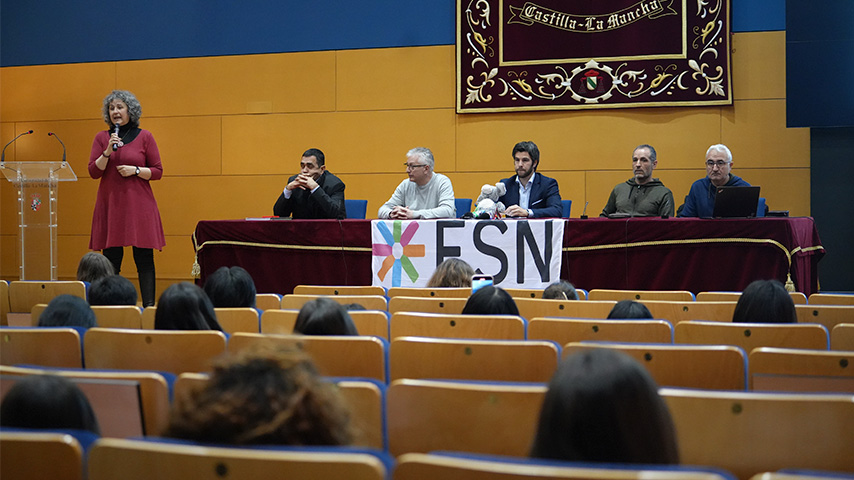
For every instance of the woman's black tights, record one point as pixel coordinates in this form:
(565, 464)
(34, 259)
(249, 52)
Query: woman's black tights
(144, 259)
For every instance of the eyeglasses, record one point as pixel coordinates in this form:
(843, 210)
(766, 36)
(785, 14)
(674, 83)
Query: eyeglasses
(411, 167)
(719, 163)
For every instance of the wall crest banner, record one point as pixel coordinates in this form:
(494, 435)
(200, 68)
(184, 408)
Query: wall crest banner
(517, 253)
(518, 55)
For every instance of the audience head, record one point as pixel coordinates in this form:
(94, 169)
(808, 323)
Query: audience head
(67, 311)
(93, 266)
(112, 290)
(561, 290)
(765, 301)
(267, 394)
(47, 402)
(490, 300)
(323, 316)
(603, 406)
(231, 287)
(452, 272)
(629, 309)
(184, 306)
(354, 307)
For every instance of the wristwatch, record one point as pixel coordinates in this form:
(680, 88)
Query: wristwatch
(137, 171)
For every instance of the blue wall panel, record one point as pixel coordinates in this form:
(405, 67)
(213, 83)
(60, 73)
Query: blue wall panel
(58, 31)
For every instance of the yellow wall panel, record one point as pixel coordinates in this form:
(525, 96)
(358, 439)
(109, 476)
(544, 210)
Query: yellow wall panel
(8, 256)
(601, 139)
(396, 78)
(55, 92)
(755, 131)
(759, 65)
(352, 141)
(76, 202)
(783, 188)
(188, 145)
(285, 82)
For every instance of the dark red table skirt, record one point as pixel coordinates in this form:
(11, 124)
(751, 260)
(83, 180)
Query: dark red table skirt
(639, 253)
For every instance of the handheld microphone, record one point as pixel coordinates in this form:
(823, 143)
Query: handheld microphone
(51, 134)
(3, 154)
(116, 131)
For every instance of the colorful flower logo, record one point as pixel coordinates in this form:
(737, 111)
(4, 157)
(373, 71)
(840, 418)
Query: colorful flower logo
(397, 251)
(35, 202)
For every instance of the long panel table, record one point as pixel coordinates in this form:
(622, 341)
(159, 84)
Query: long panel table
(634, 253)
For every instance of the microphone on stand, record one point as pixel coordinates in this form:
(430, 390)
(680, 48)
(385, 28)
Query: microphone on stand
(116, 131)
(51, 134)
(3, 154)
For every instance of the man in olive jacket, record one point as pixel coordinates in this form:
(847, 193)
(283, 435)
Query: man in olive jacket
(641, 195)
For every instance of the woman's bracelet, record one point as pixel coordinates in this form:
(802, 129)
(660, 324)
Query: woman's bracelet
(104, 155)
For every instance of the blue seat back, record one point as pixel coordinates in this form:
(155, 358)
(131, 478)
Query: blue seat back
(760, 207)
(356, 208)
(463, 206)
(567, 206)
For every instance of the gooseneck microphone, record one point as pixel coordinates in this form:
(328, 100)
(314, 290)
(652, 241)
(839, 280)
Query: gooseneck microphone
(51, 134)
(116, 131)
(3, 154)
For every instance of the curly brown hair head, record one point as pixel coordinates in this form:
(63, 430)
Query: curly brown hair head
(268, 394)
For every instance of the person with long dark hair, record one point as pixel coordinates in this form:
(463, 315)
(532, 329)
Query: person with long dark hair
(184, 306)
(125, 158)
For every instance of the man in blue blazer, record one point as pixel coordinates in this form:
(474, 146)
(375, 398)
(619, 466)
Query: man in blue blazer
(530, 194)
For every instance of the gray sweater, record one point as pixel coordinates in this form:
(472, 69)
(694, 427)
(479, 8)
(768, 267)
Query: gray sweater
(434, 200)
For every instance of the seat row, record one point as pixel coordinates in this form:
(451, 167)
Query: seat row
(742, 433)
(696, 366)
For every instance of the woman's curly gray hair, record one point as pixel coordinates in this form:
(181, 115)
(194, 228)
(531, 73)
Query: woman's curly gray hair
(134, 108)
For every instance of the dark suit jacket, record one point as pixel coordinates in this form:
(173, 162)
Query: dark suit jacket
(326, 202)
(544, 200)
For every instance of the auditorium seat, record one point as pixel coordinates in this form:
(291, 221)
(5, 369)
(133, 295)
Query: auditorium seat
(366, 400)
(796, 370)
(444, 292)
(174, 351)
(640, 295)
(233, 320)
(267, 301)
(749, 433)
(566, 208)
(23, 295)
(174, 460)
(538, 293)
(714, 367)
(827, 315)
(426, 304)
(118, 316)
(34, 455)
(462, 206)
(356, 209)
(148, 314)
(443, 325)
(798, 298)
(367, 322)
(467, 359)
(566, 330)
(4, 302)
(339, 290)
(427, 415)
(43, 346)
(335, 356)
(370, 302)
(36, 313)
(752, 335)
(831, 299)
(675, 312)
(464, 466)
(842, 337)
(153, 395)
(538, 307)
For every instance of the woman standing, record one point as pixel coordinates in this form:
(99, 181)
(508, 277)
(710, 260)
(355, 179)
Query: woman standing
(126, 158)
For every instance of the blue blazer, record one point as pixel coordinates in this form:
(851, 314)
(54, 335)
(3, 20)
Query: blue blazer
(544, 200)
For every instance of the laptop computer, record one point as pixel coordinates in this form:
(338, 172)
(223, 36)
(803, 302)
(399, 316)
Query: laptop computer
(736, 202)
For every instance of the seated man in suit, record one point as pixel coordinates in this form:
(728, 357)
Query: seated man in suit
(530, 194)
(314, 192)
(641, 195)
(700, 201)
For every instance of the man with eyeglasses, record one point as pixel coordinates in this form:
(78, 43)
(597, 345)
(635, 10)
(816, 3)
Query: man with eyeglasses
(700, 201)
(641, 195)
(314, 192)
(530, 194)
(425, 194)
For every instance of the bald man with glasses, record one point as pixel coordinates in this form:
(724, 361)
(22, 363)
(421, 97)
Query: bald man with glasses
(425, 194)
(700, 201)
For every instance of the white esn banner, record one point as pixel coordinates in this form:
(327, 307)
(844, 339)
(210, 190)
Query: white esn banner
(517, 253)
